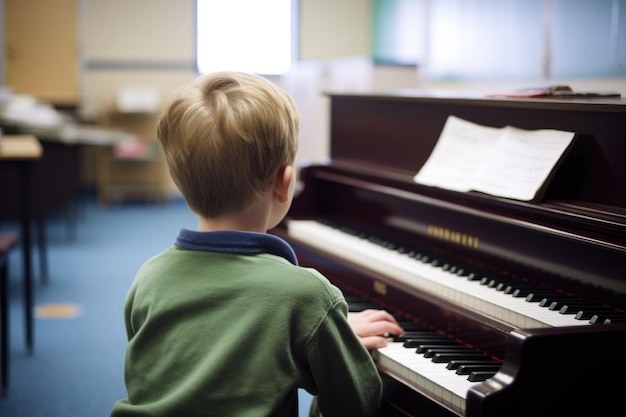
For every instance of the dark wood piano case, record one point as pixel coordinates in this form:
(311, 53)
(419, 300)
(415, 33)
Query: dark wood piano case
(573, 240)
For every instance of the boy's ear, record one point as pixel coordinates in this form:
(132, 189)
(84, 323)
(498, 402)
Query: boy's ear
(283, 183)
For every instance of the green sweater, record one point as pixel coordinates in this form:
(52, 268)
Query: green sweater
(235, 332)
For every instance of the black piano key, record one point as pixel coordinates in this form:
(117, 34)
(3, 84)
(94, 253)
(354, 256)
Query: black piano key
(444, 357)
(411, 343)
(502, 285)
(402, 249)
(537, 296)
(420, 332)
(558, 305)
(412, 335)
(522, 291)
(544, 302)
(454, 364)
(425, 335)
(493, 283)
(478, 275)
(414, 253)
(451, 267)
(414, 343)
(423, 256)
(575, 308)
(430, 353)
(468, 369)
(388, 245)
(489, 281)
(589, 313)
(428, 336)
(498, 282)
(510, 288)
(424, 347)
(558, 300)
(420, 256)
(480, 376)
(437, 261)
(608, 318)
(462, 271)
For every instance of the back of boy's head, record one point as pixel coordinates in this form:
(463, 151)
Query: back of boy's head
(225, 137)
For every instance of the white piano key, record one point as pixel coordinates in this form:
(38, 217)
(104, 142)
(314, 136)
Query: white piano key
(425, 376)
(431, 279)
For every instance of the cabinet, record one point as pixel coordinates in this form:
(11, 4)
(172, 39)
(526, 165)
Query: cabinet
(42, 57)
(134, 169)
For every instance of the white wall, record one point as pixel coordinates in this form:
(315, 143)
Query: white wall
(332, 29)
(151, 43)
(134, 43)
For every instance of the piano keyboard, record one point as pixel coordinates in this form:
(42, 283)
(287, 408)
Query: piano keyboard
(432, 363)
(432, 379)
(519, 308)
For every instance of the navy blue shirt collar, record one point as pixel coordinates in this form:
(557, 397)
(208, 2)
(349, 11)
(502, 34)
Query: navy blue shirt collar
(235, 241)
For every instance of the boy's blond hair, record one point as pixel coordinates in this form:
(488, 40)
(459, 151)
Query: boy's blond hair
(225, 137)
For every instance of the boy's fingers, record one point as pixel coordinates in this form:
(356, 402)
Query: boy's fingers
(373, 342)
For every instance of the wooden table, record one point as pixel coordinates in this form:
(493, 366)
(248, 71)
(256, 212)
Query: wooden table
(22, 151)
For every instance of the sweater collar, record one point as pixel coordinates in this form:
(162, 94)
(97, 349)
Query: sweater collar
(235, 241)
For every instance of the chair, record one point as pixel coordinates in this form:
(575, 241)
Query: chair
(7, 241)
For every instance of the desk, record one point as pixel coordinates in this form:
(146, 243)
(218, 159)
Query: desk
(55, 178)
(22, 151)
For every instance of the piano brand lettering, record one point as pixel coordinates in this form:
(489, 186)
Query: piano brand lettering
(380, 288)
(448, 235)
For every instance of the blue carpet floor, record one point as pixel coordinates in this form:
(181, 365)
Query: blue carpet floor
(76, 368)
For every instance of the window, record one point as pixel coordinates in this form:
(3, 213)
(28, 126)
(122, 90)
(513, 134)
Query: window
(502, 39)
(398, 31)
(244, 35)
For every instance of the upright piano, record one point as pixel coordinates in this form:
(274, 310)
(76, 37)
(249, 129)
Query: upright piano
(511, 308)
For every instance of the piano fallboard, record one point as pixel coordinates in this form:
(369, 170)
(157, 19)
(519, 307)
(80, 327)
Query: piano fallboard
(525, 235)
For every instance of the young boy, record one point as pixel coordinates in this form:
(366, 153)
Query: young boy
(224, 322)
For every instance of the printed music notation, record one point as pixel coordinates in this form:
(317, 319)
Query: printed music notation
(506, 162)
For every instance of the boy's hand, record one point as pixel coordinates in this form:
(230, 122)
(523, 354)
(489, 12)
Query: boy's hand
(373, 327)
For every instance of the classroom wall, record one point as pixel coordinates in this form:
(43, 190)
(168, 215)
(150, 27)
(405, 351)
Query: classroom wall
(150, 43)
(139, 43)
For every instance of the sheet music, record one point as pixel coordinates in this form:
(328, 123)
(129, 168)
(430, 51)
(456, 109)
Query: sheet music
(454, 162)
(508, 162)
(520, 162)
